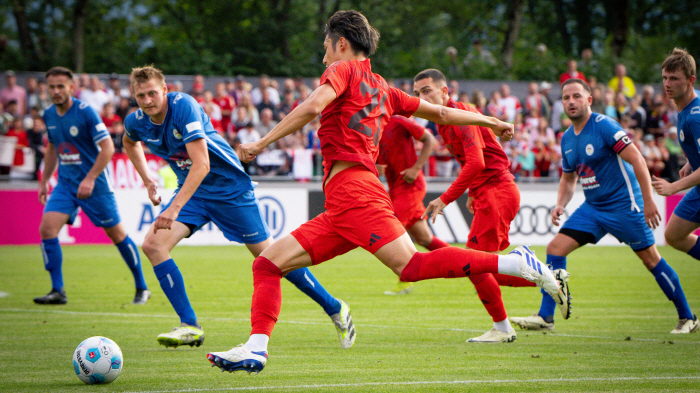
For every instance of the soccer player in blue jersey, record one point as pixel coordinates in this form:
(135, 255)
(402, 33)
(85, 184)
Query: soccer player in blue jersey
(81, 147)
(618, 191)
(679, 73)
(212, 186)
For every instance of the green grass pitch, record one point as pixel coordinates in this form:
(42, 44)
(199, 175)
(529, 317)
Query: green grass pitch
(616, 340)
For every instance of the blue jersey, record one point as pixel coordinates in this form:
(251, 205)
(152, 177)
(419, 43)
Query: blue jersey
(689, 132)
(76, 136)
(184, 123)
(608, 181)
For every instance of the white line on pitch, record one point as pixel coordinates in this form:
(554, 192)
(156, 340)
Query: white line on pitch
(224, 319)
(4, 294)
(414, 383)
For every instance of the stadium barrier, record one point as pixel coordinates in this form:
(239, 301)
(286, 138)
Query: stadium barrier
(284, 206)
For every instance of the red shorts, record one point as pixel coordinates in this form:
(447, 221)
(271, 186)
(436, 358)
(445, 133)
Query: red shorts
(358, 213)
(408, 204)
(494, 209)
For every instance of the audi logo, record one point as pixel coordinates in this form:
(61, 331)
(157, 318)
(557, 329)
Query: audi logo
(534, 220)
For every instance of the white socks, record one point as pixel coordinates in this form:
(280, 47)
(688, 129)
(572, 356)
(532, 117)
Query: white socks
(509, 264)
(257, 342)
(503, 326)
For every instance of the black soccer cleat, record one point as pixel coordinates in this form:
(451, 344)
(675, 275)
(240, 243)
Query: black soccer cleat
(53, 297)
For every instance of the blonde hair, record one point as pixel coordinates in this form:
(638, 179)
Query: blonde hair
(144, 74)
(680, 59)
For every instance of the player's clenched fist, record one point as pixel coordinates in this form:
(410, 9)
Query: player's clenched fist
(556, 213)
(248, 151)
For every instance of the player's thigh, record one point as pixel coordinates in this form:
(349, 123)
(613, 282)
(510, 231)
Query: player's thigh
(101, 209)
(157, 245)
(239, 219)
(51, 224)
(679, 229)
(61, 208)
(583, 226)
(421, 233)
(116, 233)
(287, 254)
(317, 238)
(396, 254)
(562, 245)
(257, 248)
(629, 227)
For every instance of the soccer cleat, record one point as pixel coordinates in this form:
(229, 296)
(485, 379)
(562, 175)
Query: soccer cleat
(343, 324)
(532, 269)
(182, 335)
(494, 336)
(401, 288)
(562, 277)
(142, 296)
(53, 297)
(533, 322)
(686, 326)
(237, 359)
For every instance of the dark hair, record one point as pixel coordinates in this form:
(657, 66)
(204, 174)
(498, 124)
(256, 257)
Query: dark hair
(436, 75)
(354, 27)
(680, 59)
(579, 81)
(56, 71)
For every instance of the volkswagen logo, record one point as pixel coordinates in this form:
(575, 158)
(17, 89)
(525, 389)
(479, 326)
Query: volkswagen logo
(273, 214)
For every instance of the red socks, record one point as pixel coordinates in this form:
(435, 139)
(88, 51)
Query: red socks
(490, 295)
(505, 280)
(267, 296)
(436, 244)
(448, 262)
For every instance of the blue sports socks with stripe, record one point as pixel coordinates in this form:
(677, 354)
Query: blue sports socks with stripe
(53, 261)
(695, 251)
(307, 283)
(668, 280)
(173, 285)
(548, 304)
(130, 253)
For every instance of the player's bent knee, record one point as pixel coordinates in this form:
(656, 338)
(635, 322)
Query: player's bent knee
(151, 248)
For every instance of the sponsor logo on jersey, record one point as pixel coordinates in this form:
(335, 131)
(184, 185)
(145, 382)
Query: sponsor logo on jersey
(182, 160)
(589, 149)
(599, 118)
(681, 135)
(68, 154)
(177, 98)
(153, 140)
(73, 131)
(587, 177)
(177, 134)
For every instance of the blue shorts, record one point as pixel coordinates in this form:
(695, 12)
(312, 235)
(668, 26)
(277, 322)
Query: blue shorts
(627, 226)
(240, 219)
(101, 209)
(689, 207)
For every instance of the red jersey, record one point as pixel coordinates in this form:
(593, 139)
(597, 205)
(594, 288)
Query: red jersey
(468, 142)
(352, 124)
(226, 103)
(398, 152)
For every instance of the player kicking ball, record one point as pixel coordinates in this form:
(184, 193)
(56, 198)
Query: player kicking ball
(212, 187)
(80, 145)
(618, 192)
(355, 105)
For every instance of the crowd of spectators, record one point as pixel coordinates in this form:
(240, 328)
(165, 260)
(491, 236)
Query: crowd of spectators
(244, 112)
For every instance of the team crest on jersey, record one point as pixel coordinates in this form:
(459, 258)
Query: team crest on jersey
(681, 135)
(177, 134)
(599, 119)
(73, 131)
(589, 149)
(139, 114)
(83, 105)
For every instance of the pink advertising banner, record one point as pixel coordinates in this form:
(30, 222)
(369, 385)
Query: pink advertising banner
(671, 203)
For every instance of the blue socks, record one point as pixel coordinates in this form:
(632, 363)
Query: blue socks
(174, 287)
(53, 260)
(307, 283)
(130, 253)
(668, 280)
(695, 251)
(548, 304)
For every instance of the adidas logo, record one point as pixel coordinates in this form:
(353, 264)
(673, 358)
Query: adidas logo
(373, 239)
(473, 240)
(467, 269)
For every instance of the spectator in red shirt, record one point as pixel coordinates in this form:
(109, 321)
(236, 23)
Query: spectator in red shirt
(109, 116)
(225, 102)
(17, 130)
(571, 72)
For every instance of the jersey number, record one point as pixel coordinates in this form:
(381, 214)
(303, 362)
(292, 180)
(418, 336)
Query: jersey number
(355, 122)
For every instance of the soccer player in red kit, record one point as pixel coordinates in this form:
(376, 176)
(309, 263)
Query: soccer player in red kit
(494, 198)
(355, 104)
(398, 162)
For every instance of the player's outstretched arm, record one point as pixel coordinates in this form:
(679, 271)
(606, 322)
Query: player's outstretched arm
(134, 151)
(567, 187)
(103, 158)
(295, 120)
(688, 179)
(452, 116)
(632, 155)
(50, 163)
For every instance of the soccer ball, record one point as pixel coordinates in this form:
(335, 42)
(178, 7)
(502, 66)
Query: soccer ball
(97, 360)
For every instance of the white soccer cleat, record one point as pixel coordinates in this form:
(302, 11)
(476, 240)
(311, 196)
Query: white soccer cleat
(686, 326)
(494, 336)
(182, 335)
(344, 326)
(562, 277)
(239, 359)
(533, 322)
(532, 269)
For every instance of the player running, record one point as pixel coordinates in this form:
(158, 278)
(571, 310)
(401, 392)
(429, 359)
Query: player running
(355, 105)
(494, 199)
(212, 187)
(81, 147)
(618, 193)
(679, 74)
(398, 162)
